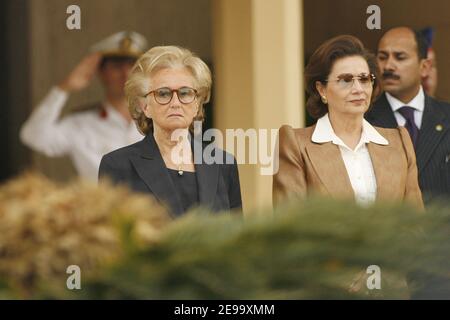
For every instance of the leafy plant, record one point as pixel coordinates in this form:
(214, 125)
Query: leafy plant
(128, 247)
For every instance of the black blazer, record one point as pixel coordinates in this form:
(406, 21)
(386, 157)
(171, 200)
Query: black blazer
(433, 145)
(141, 167)
(433, 163)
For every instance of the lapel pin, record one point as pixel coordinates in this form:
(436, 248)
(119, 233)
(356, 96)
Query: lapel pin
(439, 127)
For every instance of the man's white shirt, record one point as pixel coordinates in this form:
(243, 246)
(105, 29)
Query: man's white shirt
(85, 136)
(418, 103)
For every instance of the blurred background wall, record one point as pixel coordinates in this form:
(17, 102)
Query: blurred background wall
(324, 19)
(257, 49)
(15, 77)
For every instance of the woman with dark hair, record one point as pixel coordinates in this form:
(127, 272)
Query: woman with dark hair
(342, 155)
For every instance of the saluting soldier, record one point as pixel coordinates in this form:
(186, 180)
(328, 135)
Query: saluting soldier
(89, 134)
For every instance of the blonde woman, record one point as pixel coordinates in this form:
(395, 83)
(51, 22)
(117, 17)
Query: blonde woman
(166, 92)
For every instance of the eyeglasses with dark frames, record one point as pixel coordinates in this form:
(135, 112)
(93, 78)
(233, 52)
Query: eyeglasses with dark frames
(164, 95)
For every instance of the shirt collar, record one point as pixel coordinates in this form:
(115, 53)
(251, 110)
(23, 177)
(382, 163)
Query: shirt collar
(324, 132)
(418, 102)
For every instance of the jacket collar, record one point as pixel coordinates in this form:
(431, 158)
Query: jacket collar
(151, 168)
(381, 114)
(418, 102)
(434, 127)
(327, 161)
(324, 132)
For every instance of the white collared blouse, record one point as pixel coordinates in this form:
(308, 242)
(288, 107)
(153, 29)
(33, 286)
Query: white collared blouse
(357, 162)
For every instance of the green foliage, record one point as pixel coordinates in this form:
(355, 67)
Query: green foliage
(128, 248)
(308, 250)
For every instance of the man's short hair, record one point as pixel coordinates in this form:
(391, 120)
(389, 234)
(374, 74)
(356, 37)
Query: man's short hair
(422, 45)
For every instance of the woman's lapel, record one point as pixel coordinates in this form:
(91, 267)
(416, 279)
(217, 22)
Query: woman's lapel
(328, 164)
(387, 165)
(151, 168)
(207, 172)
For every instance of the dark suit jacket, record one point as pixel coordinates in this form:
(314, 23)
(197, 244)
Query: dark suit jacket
(433, 145)
(433, 163)
(141, 167)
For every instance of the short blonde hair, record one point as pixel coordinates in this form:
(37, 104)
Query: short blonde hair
(158, 58)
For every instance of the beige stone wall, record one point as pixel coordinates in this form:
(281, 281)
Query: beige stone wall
(258, 58)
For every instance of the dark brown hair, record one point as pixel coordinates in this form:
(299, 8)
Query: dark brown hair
(321, 63)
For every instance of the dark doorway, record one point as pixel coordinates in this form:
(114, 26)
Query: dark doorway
(14, 85)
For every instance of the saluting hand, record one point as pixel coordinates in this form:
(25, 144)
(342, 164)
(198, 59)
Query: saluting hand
(80, 77)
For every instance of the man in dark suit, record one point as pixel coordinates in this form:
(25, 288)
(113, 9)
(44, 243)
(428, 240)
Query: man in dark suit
(402, 60)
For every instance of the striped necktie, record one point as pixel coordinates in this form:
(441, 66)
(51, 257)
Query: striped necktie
(410, 125)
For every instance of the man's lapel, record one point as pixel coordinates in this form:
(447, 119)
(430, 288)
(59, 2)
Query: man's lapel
(328, 164)
(433, 128)
(151, 168)
(381, 114)
(207, 179)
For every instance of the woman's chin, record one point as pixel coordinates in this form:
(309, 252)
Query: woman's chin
(356, 109)
(175, 124)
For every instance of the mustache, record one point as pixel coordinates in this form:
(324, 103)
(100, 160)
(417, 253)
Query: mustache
(390, 75)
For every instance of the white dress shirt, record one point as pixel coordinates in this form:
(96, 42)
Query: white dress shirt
(357, 162)
(85, 136)
(418, 103)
